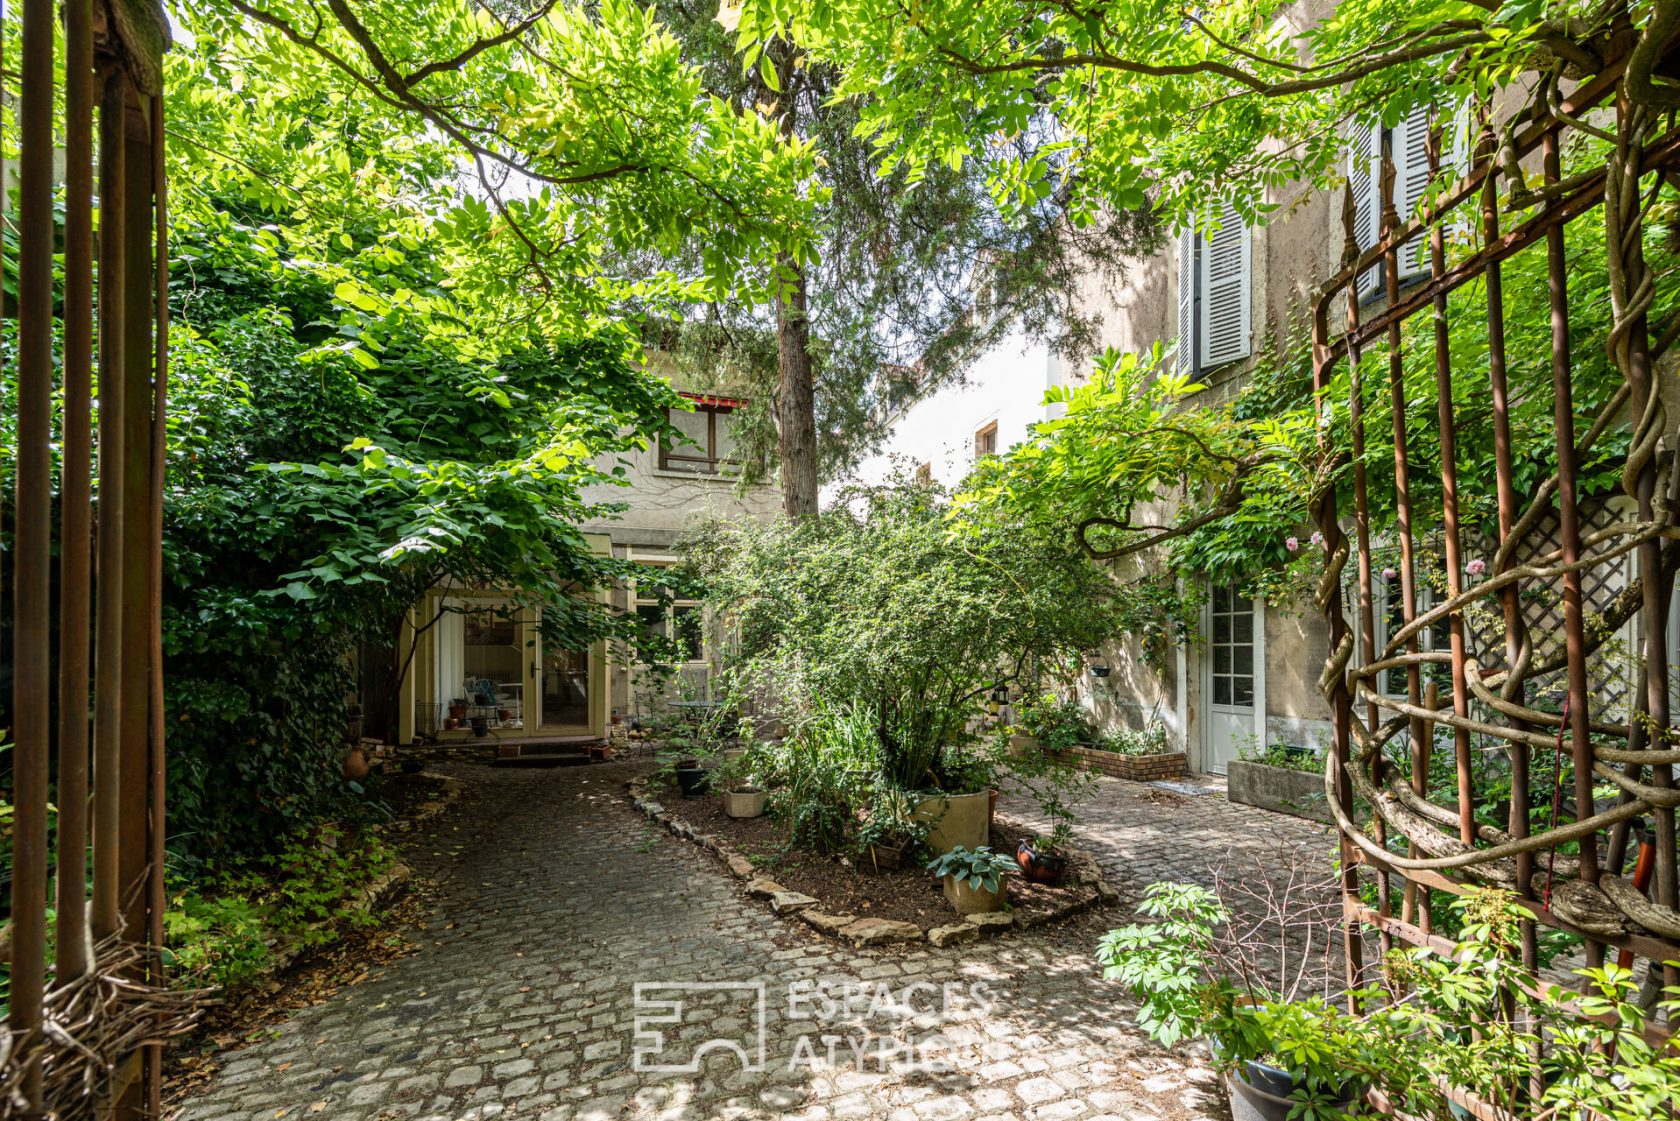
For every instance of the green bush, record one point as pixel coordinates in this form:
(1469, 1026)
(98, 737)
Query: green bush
(887, 605)
(224, 927)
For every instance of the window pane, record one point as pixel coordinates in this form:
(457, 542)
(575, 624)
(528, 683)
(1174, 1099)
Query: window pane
(694, 452)
(686, 630)
(1242, 690)
(1221, 659)
(652, 619)
(726, 436)
(1242, 627)
(1243, 659)
(1222, 690)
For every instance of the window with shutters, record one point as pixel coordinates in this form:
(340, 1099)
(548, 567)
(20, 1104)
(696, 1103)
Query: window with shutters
(1214, 301)
(1407, 145)
(985, 441)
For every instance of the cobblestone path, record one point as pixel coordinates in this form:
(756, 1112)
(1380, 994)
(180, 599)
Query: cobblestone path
(557, 900)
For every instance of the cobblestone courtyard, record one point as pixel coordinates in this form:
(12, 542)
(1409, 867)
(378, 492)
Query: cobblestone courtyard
(556, 899)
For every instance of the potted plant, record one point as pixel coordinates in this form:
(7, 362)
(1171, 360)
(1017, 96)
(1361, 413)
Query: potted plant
(692, 779)
(887, 831)
(458, 710)
(974, 878)
(1043, 859)
(959, 815)
(1202, 970)
(744, 801)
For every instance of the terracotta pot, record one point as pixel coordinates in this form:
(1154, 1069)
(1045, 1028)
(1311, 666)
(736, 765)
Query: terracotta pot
(355, 764)
(457, 713)
(1041, 866)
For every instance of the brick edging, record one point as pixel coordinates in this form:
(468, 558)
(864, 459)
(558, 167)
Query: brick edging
(1137, 768)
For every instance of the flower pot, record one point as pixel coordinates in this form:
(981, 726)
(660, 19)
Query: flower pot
(481, 725)
(882, 857)
(356, 764)
(955, 819)
(991, 811)
(1041, 866)
(692, 781)
(457, 713)
(1022, 746)
(746, 802)
(1262, 1093)
(967, 900)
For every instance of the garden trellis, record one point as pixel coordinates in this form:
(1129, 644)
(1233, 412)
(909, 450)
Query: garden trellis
(88, 1004)
(1533, 682)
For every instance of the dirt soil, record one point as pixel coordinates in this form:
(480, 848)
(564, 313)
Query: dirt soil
(844, 884)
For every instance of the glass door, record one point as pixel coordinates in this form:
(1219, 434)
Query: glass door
(565, 689)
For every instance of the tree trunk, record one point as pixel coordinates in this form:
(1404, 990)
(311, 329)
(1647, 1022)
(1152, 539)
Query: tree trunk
(795, 399)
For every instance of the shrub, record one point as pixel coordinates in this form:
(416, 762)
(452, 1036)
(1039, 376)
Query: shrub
(884, 604)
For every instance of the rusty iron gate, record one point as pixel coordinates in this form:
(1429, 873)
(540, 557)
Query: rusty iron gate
(88, 1003)
(1480, 666)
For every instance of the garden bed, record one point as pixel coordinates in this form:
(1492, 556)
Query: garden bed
(907, 904)
(1282, 790)
(1136, 768)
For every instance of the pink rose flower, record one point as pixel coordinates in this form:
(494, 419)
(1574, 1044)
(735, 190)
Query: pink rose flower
(1476, 567)
(1317, 538)
(1292, 544)
(1389, 574)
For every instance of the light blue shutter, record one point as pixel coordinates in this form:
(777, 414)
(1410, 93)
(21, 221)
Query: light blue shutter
(1226, 317)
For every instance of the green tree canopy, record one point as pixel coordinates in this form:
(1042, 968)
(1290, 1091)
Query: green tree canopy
(1123, 101)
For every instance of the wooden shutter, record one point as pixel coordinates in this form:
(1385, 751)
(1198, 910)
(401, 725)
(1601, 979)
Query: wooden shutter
(1363, 169)
(1409, 148)
(1225, 312)
(1185, 355)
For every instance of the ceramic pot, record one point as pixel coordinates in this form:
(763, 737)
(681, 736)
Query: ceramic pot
(1262, 1093)
(745, 803)
(956, 819)
(1041, 866)
(967, 900)
(356, 765)
(692, 781)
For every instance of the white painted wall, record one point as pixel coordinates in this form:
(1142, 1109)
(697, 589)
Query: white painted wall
(1006, 384)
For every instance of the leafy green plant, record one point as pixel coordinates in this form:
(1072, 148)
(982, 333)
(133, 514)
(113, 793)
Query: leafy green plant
(888, 603)
(1282, 755)
(225, 927)
(979, 868)
(1152, 740)
(1057, 724)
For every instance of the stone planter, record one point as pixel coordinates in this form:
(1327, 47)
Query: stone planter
(1022, 746)
(967, 900)
(1297, 793)
(956, 819)
(744, 803)
(1136, 768)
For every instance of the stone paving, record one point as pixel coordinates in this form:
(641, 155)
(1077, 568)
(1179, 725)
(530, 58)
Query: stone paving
(557, 900)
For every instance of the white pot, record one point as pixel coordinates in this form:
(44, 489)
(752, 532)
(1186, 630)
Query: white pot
(744, 803)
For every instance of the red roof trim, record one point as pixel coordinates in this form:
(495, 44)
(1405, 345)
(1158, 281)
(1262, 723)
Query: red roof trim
(712, 401)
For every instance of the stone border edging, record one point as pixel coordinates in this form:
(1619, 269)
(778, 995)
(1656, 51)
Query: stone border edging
(1082, 869)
